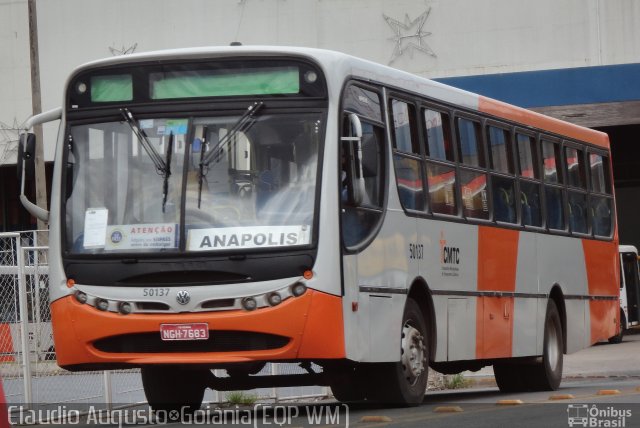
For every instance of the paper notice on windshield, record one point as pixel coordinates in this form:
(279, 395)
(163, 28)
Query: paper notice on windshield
(232, 238)
(141, 236)
(95, 227)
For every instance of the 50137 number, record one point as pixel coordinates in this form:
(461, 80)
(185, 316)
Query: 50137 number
(416, 251)
(155, 292)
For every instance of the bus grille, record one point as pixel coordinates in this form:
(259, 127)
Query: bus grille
(218, 341)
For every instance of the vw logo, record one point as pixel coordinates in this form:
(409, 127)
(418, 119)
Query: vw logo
(183, 297)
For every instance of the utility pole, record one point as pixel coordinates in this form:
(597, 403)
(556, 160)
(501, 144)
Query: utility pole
(36, 103)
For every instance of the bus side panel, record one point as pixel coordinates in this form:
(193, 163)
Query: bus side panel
(604, 316)
(324, 329)
(355, 309)
(561, 262)
(525, 310)
(603, 275)
(374, 326)
(450, 265)
(497, 262)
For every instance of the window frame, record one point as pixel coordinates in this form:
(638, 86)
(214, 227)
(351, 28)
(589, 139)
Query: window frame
(608, 187)
(482, 122)
(386, 152)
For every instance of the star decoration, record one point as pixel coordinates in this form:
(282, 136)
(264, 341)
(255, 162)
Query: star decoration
(8, 139)
(123, 51)
(409, 35)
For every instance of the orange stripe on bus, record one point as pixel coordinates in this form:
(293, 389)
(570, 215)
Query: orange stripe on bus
(531, 118)
(603, 273)
(604, 319)
(497, 264)
(497, 258)
(603, 276)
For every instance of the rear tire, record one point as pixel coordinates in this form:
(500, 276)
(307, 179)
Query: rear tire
(546, 373)
(618, 337)
(174, 388)
(509, 377)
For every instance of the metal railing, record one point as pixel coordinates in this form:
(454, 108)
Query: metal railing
(28, 365)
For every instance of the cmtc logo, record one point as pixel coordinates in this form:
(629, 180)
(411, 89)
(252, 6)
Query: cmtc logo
(448, 255)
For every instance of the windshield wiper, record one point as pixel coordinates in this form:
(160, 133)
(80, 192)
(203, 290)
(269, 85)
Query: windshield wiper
(244, 123)
(167, 174)
(161, 167)
(205, 132)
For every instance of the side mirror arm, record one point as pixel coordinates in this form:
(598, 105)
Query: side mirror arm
(47, 116)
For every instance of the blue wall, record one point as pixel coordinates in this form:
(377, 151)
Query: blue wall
(585, 85)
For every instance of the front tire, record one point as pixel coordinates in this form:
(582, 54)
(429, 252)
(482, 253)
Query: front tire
(405, 382)
(174, 388)
(349, 383)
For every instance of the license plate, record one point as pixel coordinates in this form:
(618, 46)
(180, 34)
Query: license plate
(192, 331)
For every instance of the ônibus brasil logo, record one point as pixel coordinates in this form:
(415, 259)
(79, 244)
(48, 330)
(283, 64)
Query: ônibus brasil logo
(585, 416)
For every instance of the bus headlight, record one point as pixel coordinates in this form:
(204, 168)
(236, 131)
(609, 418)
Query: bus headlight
(274, 298)
(298, 289)
(125, 308)
(102, 304)
(81, 297)
(249, 303)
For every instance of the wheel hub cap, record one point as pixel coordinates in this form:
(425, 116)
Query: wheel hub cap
(413, 353)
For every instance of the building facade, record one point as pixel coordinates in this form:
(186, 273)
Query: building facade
(573, 59)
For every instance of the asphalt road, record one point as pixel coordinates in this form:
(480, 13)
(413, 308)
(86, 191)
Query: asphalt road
(601, 388)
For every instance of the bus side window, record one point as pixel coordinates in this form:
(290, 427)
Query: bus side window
(555, 207)
(554, 196)
(503, 187)
(438, 134)
(600, 198)
(470, 143)
(529, 185)
(602, 216)
(358, 222)
(441, 180)
(578, 218)
(407, 156)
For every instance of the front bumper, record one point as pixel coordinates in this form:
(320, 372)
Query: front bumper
(311, 327)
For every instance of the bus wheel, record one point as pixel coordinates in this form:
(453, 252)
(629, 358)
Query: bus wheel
(547, 374)
(509, 377)
(348, 384)
(173, 388)
(618, 337)
(405, 382)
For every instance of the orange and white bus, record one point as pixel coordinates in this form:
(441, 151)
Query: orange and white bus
(221, 208)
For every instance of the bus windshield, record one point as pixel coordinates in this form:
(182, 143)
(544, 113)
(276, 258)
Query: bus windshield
(215, 183)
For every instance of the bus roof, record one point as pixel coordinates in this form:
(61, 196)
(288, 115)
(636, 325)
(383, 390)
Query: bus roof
(336, 65)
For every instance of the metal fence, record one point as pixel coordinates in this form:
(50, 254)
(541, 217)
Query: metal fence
(28, 365)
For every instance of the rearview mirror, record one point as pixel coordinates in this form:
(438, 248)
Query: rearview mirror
(26, 156)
